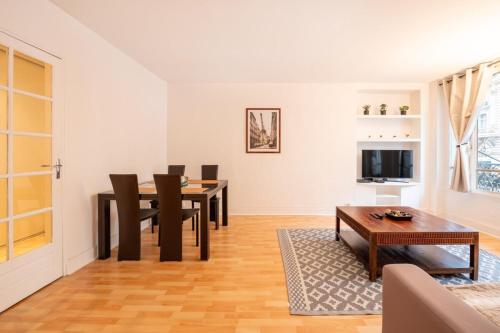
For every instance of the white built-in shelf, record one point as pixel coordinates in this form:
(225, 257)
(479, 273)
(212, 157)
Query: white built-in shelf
(390, 140)
(391, 184)
(387, 196)
(389, 116)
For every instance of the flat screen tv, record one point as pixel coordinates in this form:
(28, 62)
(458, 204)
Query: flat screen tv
(387, 164)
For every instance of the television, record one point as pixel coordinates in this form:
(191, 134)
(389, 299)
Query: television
(387, 164)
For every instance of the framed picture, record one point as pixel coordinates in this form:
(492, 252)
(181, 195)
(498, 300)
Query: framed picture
(263, 130)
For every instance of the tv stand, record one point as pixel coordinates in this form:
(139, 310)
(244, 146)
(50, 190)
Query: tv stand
(382, 180)
(388, 193)
(405, 181)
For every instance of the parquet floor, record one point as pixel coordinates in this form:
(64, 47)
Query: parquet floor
(241, 289)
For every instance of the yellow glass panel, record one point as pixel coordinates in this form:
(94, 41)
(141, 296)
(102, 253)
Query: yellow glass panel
(3, 154)
(32, 75)
(3, 198)
(32, 114)
(3, 65)
(3, 109)
(31, 152)
(32, 193)
(3, 242)
(32, 232)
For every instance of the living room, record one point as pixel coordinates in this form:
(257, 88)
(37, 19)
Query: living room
(316, 142)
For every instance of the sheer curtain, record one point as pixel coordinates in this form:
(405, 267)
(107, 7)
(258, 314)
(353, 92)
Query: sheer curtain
(463, 94)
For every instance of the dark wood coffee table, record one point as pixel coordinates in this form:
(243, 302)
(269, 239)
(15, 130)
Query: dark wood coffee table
(382, 242)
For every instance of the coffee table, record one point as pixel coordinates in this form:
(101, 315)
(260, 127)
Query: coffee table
(381, 242)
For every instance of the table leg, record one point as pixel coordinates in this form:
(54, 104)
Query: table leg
(337, 228)
(224, 206)
(204, 229)
(372, 260)
(474, 260)
(103, 228)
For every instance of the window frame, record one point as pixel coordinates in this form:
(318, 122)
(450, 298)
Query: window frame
(474, 155)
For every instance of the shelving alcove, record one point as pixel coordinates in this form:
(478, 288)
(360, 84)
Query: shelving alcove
(391, 131)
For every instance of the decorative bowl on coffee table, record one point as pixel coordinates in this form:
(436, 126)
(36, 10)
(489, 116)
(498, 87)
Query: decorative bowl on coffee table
(398, 215)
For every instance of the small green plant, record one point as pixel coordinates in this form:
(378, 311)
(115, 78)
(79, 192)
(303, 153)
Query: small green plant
(404, 109)
(383, 109)
(366, 109)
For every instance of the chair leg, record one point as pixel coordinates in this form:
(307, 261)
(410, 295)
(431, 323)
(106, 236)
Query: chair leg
(197, 231)
(214, 212)
(159, 234)
(154, 219)
(192, 219)
(217, 220)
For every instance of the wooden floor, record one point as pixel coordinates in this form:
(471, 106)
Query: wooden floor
(241, 289)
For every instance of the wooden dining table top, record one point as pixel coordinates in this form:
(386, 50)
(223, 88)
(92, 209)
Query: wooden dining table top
(191, 188)
(195, 187)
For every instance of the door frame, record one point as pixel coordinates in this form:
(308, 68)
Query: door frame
(50, 257)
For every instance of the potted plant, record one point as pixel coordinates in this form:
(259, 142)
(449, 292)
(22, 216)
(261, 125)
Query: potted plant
(366, 109)
(403, 109)
(383, 109)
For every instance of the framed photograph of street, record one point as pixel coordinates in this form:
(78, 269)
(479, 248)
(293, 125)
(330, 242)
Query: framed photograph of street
(263, 130)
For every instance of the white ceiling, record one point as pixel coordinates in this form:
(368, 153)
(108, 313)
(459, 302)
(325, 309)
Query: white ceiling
(297, 40)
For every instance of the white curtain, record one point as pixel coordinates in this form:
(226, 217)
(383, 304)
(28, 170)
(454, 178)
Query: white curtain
(463, 96)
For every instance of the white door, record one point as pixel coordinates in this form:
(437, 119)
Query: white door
(30, 191)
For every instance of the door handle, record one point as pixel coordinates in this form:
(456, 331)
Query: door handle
(56, 166)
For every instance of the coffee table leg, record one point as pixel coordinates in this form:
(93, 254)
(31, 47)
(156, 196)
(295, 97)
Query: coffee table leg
(474, 261)
(337, 229)
(372, 260)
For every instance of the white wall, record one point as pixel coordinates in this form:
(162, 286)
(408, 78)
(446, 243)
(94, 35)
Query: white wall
(316, 168)
(478, 210)
(115, 115)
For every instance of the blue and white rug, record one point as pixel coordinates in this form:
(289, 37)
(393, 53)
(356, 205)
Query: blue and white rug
(324, 277)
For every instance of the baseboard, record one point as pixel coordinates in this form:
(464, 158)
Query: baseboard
(474, 224)
(283, 211)
(73, 264)
(81, 260)
(495, 232)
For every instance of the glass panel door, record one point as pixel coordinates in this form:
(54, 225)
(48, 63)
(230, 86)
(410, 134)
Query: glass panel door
(28, 162)
(4, 213)
(30, 194)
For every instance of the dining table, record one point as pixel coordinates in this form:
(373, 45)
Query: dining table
(200, 191)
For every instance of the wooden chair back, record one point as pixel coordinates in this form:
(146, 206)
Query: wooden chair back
(126, 190)
(168, 188)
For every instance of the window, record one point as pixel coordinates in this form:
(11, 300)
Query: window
(483, 119)
(487, 168)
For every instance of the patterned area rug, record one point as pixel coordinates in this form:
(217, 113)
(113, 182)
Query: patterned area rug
(325, 278)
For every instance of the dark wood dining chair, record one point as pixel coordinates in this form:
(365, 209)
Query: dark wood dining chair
(130, 215)
(176, 169)
(172, 215)
(210, 172)
(173, 169)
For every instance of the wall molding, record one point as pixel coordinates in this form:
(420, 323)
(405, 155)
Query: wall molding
(283, 210)
(473, 223)
(71, 265)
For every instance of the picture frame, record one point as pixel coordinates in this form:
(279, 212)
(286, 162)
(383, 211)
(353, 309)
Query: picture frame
(263, 130)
